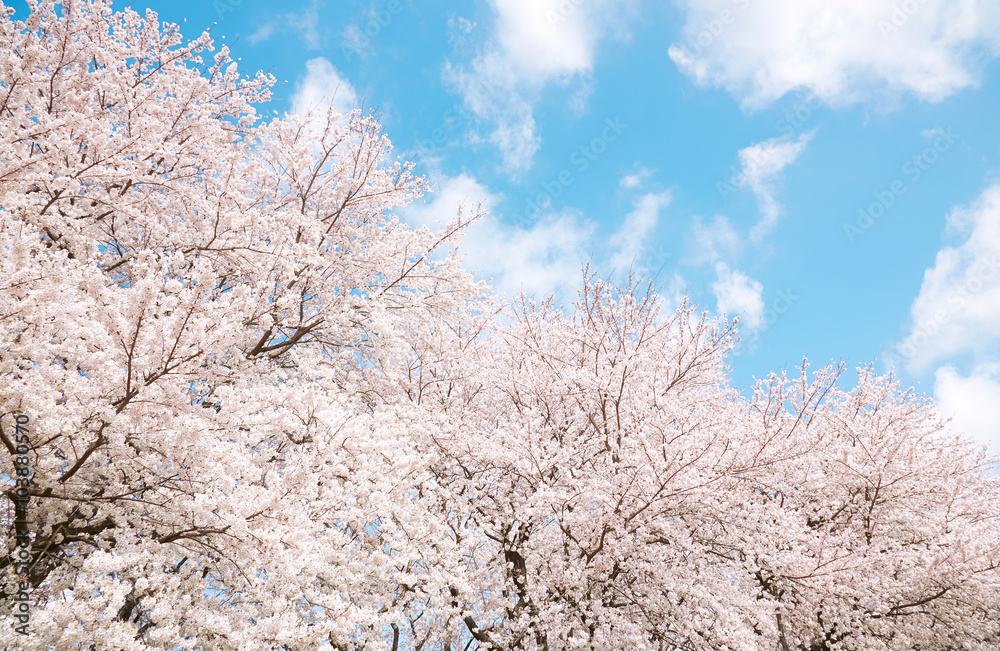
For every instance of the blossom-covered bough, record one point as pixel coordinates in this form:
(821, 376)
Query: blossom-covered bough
(266, 414)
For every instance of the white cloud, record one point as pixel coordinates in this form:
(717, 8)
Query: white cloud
(712, 242)
(441, 205)
(546, 258)
(534, 43)
(352, 39)
(459, 27)
(762, 166)
(540, 260)
(954, 319)
(306, 23)
(322, 87)
(631, 239)
(579, 101)
(636, 179)
(737, 294)
(958, 307)
(263, 33)
(492, 93)
(934, 134)
(972, 402)
(546, 38)
(673, 291)
(844, 51)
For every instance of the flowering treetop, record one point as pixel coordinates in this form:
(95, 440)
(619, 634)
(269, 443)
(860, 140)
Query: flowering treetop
(269, 415)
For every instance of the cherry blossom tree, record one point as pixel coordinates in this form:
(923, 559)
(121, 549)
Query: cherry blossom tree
(266, 414)
(201, 313)
(630, 499)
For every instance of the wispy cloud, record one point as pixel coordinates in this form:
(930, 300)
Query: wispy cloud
(263, 33)
(534, 43)
(492, 93)
(762, 170)
(631, 240)
(712, 242)
(635, 179)
(305, 24)
(354, 40)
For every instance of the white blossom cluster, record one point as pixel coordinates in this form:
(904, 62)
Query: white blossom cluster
(269, 416)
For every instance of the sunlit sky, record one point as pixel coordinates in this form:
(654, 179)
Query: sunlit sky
(826, 170)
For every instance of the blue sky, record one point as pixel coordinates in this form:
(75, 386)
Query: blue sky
(827, 170)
